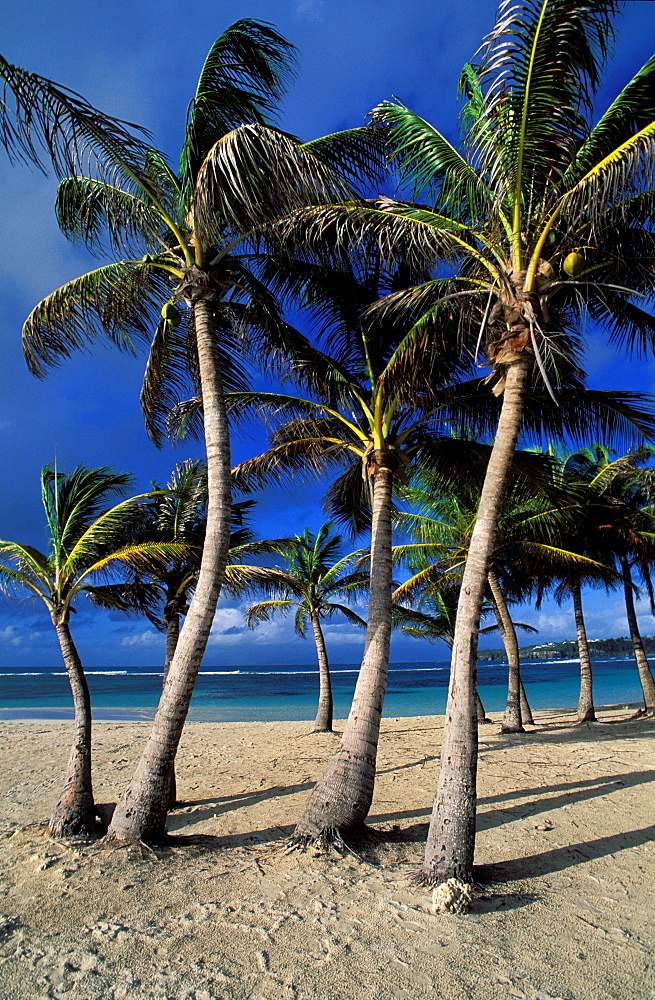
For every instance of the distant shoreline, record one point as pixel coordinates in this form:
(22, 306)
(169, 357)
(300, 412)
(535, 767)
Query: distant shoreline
(48, 715)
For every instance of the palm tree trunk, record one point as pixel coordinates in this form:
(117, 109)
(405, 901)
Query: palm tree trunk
(172, 636)
(342, 797)
(480, 713)
(451, 837)
(526, 711)
(586, 711)
(323, 720)
(141, 811)
(512, 719)
(75, 812)
(645, 675)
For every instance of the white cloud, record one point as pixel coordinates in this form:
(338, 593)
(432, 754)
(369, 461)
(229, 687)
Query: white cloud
(11, 635)
(148, 637)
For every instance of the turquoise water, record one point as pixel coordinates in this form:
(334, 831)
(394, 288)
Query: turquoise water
(289, 693)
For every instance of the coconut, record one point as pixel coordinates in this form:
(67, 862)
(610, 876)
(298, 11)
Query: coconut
(171, 314)
(574, 264)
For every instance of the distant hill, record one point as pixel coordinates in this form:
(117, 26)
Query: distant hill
(598, 649)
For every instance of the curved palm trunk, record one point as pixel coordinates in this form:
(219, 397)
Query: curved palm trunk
(75, 812)
(480, 713)
(526, 711)
(323, 720)
(172, 636)
(451, 837)
(645, 675)
(512, 721)
(586, 712)
(342, 797)
(141, 812)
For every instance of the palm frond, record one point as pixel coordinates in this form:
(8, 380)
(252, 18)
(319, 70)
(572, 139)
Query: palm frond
(115, 301)
(254, 175)
(631, 111)
(264, 611)
(357, 154)
(41, 122)
(167, 374)
(242, 81)
(86, 208)
(539, 68)
(425, 159)
(73, 501)
(348, 613)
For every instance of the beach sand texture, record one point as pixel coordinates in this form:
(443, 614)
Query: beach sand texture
(565, 906)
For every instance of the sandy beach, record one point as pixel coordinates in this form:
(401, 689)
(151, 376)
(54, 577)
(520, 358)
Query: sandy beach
(565, 905)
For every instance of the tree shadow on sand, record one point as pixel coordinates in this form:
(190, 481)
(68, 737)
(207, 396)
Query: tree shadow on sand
(574, 791)
(560, 858)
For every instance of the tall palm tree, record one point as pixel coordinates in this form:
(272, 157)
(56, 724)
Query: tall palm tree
(313, 577)
(542, 217)
(87, 542)
(193, 237)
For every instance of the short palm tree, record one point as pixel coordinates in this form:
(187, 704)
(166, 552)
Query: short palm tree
(442, 525)
(87, 543)
(622, 527)
(437, 607)
(543, 218)
(312, 579)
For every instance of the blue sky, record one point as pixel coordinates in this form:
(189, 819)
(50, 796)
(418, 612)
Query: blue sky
(140, 61)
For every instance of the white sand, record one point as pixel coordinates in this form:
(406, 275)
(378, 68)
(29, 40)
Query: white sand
(565, 906)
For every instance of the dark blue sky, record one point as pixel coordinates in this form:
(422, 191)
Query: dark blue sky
(139, 60)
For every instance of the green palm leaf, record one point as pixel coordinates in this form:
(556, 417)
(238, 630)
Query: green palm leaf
(426, 159)
(631, 111)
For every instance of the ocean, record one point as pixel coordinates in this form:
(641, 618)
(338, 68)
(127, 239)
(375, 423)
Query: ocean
(289, 693)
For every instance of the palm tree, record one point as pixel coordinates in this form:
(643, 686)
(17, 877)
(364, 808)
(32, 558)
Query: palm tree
(437, 606)
(541, 218)
(366, 412)
(87, 542)
(578, 533)
(623, 528)
(442, 527)
(190, 227)
(177, 515)
(310, 582)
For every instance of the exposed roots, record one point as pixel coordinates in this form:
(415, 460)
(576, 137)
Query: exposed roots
(327, 842)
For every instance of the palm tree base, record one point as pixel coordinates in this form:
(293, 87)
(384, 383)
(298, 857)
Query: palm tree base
(73, 819)
(431, 878)
(331, 840)
(512, 728)
(341, 799)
